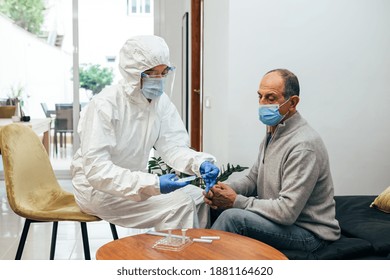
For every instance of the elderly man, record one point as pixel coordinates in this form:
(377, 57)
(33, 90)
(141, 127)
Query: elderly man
(286, 200)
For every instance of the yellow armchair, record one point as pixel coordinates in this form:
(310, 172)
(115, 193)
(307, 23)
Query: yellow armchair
(33, 191)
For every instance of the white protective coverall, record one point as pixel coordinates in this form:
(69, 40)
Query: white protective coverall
(118, 129)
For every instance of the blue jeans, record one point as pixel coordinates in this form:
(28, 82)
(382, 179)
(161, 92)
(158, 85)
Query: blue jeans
(257, 227)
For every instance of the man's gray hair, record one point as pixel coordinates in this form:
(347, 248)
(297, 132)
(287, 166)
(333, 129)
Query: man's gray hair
(291, 83)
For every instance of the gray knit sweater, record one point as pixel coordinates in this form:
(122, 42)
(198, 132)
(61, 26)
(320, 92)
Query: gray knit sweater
(291, 183)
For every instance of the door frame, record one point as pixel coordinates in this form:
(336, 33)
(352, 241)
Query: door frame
(196, 92)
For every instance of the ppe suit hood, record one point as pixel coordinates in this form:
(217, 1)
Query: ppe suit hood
(138, 54)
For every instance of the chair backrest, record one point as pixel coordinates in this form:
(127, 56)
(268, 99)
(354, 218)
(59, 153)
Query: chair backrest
(64, 117)
(7, 111)
(29, 177)
(45, 110)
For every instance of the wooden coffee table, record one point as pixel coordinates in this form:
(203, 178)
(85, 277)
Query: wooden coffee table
(230, 246)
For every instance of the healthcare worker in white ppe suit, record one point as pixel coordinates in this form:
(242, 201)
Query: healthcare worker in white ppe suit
(118, 129)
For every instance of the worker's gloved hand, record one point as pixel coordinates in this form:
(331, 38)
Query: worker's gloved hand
(169, 183)
(209, 174)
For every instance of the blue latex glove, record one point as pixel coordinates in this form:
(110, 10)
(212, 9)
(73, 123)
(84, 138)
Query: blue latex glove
(209, 174)
(169, 183)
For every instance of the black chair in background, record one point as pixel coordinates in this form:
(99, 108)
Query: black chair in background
(63, 124)
(48, 113)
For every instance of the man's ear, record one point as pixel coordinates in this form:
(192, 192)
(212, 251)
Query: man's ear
(294, 101)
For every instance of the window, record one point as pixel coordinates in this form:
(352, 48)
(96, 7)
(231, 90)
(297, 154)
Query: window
(147, 6)
(139, 7)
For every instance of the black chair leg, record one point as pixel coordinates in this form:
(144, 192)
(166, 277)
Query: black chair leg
(23, 238)
(53, 240)
(114, 232)
(84, 234)
(55, 141)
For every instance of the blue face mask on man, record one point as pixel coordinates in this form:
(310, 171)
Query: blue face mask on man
(269, 114)
(153, 87)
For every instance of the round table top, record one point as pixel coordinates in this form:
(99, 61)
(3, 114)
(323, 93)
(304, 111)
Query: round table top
(230, 246)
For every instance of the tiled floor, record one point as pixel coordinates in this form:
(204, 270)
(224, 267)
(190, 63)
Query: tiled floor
(69, 243)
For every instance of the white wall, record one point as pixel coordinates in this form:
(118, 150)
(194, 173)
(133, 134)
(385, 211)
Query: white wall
(219, 125)
(340, 52)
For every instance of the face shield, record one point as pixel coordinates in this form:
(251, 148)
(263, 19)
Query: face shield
(154, 84)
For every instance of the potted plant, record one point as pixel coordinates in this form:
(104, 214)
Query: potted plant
(15, 101)
(159, 167)
(16, 95)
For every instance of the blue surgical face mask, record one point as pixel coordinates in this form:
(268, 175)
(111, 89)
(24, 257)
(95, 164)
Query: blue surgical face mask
(153, 87)
(269, 114)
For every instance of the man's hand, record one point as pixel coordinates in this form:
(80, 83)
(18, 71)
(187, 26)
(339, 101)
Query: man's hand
(220, 196)
(208, 198)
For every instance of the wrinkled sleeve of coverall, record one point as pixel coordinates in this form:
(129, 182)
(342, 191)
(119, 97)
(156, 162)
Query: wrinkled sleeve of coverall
(98, 139)
(173, 142)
